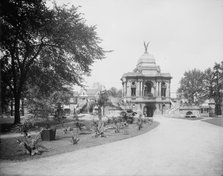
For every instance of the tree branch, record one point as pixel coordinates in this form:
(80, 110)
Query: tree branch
(34, 57)
(10, 86)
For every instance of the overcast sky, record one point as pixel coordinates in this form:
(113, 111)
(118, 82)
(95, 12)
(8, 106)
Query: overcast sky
(184, 34)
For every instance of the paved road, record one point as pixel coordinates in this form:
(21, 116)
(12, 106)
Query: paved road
(175, 147)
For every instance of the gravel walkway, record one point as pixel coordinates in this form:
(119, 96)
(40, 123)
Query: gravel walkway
(175, 147)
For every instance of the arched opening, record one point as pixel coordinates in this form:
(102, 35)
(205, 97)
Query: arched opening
(189, 113)
(133, 89)
(163, 89)
(148, 88)
(148, 110)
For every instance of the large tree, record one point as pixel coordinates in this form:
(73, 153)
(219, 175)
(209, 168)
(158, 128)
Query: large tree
(202, 85)
(191, 85)
(218, 87)
(53, 42)
(214, 85)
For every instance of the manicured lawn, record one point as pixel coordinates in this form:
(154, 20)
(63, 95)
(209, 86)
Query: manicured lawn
(196, 118)
(216, 121)
(184, 118)
(10, 150)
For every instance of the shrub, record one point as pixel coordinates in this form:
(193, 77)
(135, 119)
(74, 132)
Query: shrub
(128, 116)
(31, 145)
(139, 123)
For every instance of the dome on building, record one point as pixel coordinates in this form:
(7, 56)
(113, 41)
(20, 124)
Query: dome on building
(146, 60)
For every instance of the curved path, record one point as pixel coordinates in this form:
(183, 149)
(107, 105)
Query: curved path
(175, 147)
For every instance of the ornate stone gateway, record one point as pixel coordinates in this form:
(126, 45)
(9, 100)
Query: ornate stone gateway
(146, 88)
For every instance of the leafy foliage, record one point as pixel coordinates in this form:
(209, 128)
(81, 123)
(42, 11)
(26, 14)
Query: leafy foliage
(214, 85)
(42, 105)
(103, 98)
(191, 85)
(114, 92)
(25, 127)
(139, 123)
(128, 116)
(102, 101)
(75, 140)
(44, 47)
(32, 145)
(99, 128)
(197, 85)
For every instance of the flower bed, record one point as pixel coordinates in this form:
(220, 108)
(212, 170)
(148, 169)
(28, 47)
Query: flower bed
(10, 150)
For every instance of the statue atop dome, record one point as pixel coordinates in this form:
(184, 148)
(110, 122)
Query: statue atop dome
(146, 46)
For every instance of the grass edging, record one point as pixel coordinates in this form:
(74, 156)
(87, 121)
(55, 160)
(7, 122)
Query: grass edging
(9, 149)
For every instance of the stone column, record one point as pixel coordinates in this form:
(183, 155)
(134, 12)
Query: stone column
(154, 90)
(124, 89)
(128, 89)
(138, 89)
(169, 88)
(142, 89)
(159, 90)
(142, 93)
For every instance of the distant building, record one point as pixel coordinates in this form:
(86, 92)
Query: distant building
(87, 99)
(89, 94)
(146, 89)
(208, 107)
(69, 107)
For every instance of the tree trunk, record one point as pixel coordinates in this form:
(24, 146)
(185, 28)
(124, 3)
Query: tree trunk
(17, 109)
(1, 112)
(12, 107)
(23, 111)
(103, 111)
(218, 101)
(218, 109)
(99, 113)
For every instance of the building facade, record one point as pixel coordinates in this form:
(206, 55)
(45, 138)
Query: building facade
(146, 90)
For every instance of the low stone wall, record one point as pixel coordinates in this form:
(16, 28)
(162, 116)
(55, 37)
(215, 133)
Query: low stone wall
(194, 109)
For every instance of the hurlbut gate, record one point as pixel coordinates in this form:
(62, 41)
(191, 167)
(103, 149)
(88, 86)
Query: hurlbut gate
(146, 88)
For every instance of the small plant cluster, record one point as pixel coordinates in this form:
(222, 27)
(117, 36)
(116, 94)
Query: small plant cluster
(139, 123)
(59, 114)
(75, 129)
(75, 133)
(24, 128)
(119, 124)
(128, 116)
(99, 128)
(32, 145)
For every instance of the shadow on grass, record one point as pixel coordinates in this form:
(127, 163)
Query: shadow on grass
(9, 127)
(215, 121)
